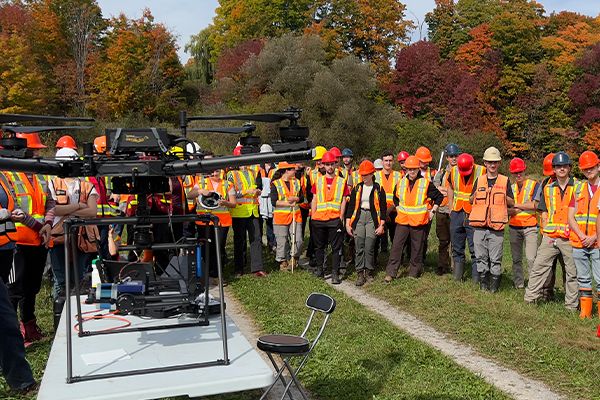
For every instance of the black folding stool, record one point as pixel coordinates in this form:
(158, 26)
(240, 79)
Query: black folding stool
(288, 346)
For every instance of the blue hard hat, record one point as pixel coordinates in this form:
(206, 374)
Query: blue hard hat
(347, 153)
(561, 158)
(452, 150)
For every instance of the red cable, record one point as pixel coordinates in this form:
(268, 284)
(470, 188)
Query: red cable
(110, 315)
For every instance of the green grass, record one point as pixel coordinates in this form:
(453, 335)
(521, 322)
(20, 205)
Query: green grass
(361, 355)
(545, 342)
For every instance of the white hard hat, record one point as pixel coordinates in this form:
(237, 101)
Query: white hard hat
(492, 154)
(192, 148)
(378, 163)
(66, 154)
(266, 148)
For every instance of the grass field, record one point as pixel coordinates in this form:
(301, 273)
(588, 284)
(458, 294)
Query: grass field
(363, 356)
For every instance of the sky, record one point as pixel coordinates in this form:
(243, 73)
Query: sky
(188, 17)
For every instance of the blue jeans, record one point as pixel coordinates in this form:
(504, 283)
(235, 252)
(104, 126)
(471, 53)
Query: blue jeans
(461, 232)
(587, 262)
(15, 368)
(57, 257)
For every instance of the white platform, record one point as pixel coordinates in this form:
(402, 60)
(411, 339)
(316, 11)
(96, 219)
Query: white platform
(137, 350)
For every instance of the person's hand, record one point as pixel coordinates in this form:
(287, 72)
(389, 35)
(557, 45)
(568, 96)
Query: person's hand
(45, 234)
(512, 212)
(16, 216)
(82, 206)
(349, 229)
(431, 214)
(293, 199)
(588, 241)
(380, 230)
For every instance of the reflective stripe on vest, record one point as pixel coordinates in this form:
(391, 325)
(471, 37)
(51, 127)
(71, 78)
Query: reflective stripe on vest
(524, 218)
(10, 206)
(586, 212)
(489, 204)
(388, 184)
(31, 198)
(222, 188)
(412, 203)
(558, 211)
(329, 200)
(462, 191)
(282, 215)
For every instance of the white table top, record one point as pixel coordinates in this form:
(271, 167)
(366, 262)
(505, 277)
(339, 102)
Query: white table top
(149, 349)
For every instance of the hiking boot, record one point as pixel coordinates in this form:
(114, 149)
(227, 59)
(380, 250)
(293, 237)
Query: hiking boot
(283, 266)
(369, 277)
(484, 283)
(335, 278)
(362, 279)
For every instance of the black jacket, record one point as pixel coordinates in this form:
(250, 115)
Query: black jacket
(354, 209)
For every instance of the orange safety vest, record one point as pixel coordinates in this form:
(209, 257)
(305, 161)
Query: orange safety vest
(223, 188)
(357, 201)
(282, 215)
(524, 218)
(62, 197)
(489, 204)
(356, 178)
(12, 200)
(31, 198)
(586, 212)
(558, 210)
(329, 200)
(461, 190)
(188, 183)
(388, 183)
(429, 174)
(412, 203)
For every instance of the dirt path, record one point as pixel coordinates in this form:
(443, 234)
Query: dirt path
(505, 379)
(246, 325)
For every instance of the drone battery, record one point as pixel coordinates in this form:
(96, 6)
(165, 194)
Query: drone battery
(132, 287)
(105, 295)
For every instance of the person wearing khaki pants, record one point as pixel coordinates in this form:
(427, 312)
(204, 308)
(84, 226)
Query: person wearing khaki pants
(554, 205)
(523, 221)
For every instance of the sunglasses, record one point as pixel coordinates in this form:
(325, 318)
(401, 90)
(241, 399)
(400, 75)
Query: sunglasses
(328, 164)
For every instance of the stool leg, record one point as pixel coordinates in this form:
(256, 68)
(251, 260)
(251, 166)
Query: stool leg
(294, 380)
(279, 376)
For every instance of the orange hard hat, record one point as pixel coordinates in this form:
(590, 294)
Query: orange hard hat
(286, 165)
(423, 154)
(336, 152)
(411, 162)
(328, 157)
(66, 141)
(366, 167)
(465, 163)
(100, 144)
(516, 165)
(548, 170)
(237, 151)
(403, 155)
(588, 159)
(33, 140)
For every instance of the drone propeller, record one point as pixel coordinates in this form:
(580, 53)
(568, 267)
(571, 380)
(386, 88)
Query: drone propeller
(292, 115)
(8, 118)
(31, 129)
(234, 130)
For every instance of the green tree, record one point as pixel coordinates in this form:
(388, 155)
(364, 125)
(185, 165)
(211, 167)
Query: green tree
(200, 66)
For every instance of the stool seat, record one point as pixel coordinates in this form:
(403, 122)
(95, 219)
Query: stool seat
(283, 344)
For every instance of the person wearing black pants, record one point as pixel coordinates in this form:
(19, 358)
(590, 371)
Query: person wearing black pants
(15, 368)
(29, 264)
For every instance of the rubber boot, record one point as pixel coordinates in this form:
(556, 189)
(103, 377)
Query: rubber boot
(484, 282)
(586, 303)
(495, 283)
(335, 277)
(475, 276)
(459, 270)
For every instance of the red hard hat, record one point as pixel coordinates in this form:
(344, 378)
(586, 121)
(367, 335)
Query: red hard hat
(588, 159)
(423, 154)
(548, 170)
(335, 151)
(366, 167)
(237, 151)
(465, 163)
(66, 141)
(403, 155)
(516, 165)
(33, 140)
(328, 157)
